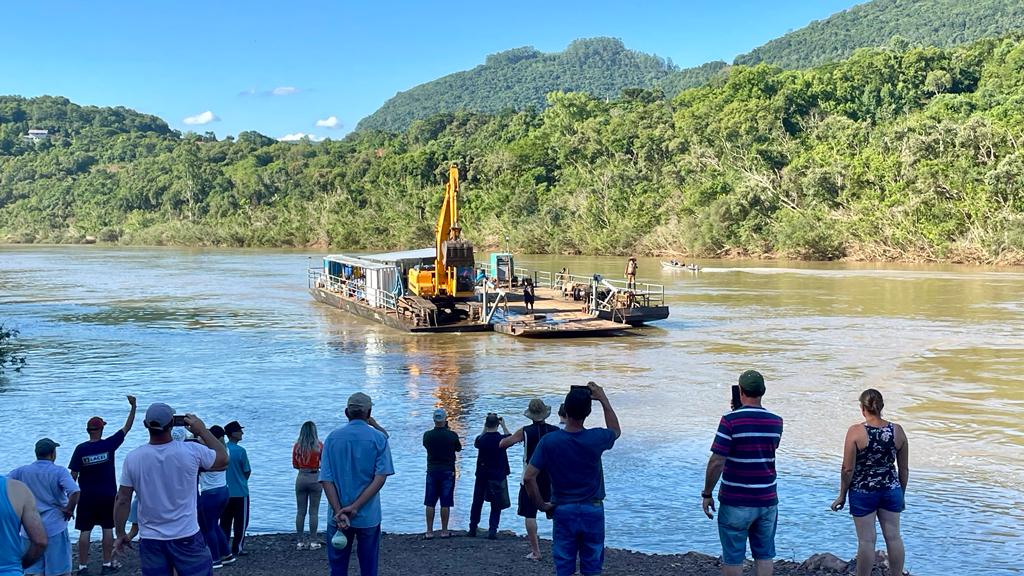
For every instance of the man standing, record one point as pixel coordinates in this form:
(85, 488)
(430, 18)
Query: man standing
(165, 473)
(237, 511)
(631, 273)
(538, 412)
(743, 456)
(441, 444)
(92, 466)
(354, 464)
(572, 458)
(56, 496)
(491, 476)
(18, 513)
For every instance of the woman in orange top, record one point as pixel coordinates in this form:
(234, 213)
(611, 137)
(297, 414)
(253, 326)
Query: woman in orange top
(306, 459)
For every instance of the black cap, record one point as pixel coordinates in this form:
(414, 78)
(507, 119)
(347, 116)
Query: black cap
(232, 427)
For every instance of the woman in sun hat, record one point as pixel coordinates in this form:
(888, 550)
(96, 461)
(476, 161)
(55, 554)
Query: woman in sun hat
(537, 412)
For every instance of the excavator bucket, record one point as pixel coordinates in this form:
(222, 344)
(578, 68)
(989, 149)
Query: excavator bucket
(458, 254)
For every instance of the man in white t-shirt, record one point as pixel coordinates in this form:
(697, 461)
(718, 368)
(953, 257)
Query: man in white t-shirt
(165, 475)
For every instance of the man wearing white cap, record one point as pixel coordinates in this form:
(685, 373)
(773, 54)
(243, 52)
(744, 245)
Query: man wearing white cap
(441, 444)
(354, 464)
(165, 474)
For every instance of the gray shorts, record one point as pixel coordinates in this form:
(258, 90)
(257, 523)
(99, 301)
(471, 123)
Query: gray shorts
(56, 558)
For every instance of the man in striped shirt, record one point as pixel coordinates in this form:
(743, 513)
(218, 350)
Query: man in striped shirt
(743, 456)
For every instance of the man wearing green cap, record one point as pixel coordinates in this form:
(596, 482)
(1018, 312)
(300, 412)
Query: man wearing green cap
(354, 464)
(743, 456)
(56, 495)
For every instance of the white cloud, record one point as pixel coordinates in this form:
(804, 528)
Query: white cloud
(300, 136)
(201, 118)
(331, 122)
(284, 91)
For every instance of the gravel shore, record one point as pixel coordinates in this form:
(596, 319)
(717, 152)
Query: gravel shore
(411, 555)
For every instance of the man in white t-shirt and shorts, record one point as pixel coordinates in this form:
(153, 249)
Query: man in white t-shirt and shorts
(164, 473)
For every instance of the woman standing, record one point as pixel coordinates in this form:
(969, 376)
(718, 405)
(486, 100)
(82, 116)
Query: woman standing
(875, 477)
(213, 498)
(306, 459)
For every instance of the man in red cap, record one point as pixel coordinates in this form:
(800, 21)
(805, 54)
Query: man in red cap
(92, 466)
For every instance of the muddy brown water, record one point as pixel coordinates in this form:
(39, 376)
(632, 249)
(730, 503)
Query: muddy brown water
(232, 334)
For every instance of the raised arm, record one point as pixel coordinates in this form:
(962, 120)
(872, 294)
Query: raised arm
(197, 427)
(611, 420)
(372, 422)
(131, 415)
(512, 440)
(846, 472)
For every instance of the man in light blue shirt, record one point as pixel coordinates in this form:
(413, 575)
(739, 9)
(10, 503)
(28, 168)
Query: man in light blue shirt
(56, 495)
(236, 513)
(355, 462)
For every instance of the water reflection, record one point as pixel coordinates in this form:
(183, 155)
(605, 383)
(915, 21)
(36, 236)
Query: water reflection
(247, 343)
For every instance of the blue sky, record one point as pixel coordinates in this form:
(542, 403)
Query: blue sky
(280, 67)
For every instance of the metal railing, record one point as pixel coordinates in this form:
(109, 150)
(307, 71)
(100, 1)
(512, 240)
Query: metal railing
(643, 293)
(352, 290)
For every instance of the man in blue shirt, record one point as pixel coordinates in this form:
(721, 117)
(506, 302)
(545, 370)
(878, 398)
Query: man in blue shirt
(354, 464)
(56, 496)
(572, 459)
(92, 466)
(237, 511)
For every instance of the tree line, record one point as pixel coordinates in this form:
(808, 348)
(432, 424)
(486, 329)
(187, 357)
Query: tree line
(892, 154)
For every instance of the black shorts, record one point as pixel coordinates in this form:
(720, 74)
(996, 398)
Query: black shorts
(95, 511)
(526, 507)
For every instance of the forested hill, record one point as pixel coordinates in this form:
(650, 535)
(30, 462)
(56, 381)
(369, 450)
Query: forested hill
(603, 67)
(913, 154)
(927, 22)
(520, 78)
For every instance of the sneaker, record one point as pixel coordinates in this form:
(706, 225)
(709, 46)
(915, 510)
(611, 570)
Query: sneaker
(229, 559)
(302, 546)
(217, 565)
(492, 534)
(83, 571)
(109, 568)
(315, 545)
(472, 532)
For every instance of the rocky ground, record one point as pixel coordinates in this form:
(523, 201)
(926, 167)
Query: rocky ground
(411, 555)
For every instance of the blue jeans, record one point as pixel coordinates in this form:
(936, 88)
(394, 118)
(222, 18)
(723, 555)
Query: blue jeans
(578, 531)
(368, 550)
(211, 507)
(737, 524)
(186, 556)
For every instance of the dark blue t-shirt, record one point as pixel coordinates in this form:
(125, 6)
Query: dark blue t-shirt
(573, 461)
(492, 460)
(94, 463)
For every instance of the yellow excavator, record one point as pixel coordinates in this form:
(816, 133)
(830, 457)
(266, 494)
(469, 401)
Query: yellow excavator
(452, 276)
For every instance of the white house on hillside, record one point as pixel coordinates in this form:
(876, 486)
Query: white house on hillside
(37, 136)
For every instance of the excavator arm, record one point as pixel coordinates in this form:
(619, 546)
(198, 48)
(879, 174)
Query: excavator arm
(452, 253)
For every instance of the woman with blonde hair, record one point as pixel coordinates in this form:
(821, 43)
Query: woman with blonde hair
(306, 459)
(874, 478)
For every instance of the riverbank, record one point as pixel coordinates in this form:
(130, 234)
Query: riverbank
(861, 255)
(410, 554)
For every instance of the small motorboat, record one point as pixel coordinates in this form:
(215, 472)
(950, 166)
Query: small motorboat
(675, 265)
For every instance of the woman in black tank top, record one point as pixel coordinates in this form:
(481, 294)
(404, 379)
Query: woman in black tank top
(874, 478)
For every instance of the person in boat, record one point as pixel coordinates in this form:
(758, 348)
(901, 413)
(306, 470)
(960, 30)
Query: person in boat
(631, 267)
(529, 297)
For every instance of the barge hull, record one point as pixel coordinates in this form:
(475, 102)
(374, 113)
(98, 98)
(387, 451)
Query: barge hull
(391, 319)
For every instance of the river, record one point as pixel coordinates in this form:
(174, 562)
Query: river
(233, 334)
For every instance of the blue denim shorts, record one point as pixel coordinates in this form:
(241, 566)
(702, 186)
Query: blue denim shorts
(864, 503)
(737, 524)
(440, 486)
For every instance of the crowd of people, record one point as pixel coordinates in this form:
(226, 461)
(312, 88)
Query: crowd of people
(184, 496)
